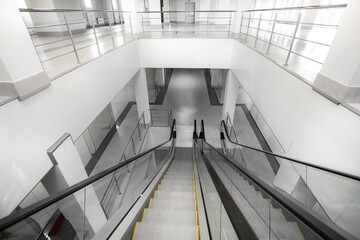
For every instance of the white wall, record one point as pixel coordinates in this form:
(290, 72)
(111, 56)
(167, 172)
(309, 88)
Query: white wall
(75, 99)
(16, 48)
(308, 126)
(23, 158)
(185, 53)
(343, 60)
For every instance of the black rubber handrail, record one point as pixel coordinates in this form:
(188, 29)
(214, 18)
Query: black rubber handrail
(195, 136)
(347, 175)
(22, 214)
(239, 223)
(325, 230)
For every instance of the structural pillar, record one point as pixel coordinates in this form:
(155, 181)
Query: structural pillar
(241, 6)
(141, 94)
(21, 72)
(69, 170)
(339, 78)
(230, 96)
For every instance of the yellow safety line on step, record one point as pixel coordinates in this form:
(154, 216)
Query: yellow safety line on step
(197, 232)
(302, 235)
(150, 201)
(135, 229)
(196, 205)
(282, 213)
(143, 216)
(196, 218)
(158, 188)
(155, 194)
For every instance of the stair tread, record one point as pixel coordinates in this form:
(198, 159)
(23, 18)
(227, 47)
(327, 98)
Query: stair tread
(151, 231)
(172, 205)
(170, 217)
(173, 195)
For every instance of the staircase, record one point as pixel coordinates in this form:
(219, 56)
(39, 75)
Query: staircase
(172, 212)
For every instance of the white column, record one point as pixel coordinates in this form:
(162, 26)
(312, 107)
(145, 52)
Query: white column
(154, 5)
(69, 163)
(141, 94)
(340, 74)
(133, 7)
(241, 6)
(21, 73)
(230, 95)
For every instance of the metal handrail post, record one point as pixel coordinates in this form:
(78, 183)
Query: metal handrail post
(207, 24)
(117, 185)
(96, 39)
(248, 27)
(293, 39)
(186, 21)
(122, 22)
(230, 24)
(257, 32)
(142, 23)
(151, 116)
(71, 38)
(241, 22)
(131, 26)
(271, 35)
(138, 126)
(133, 145)
(112, 35)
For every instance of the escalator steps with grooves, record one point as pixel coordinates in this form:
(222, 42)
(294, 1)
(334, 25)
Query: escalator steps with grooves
(172, 212)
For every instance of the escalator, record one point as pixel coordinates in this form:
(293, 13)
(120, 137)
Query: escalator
(172, 211)
(176, 193)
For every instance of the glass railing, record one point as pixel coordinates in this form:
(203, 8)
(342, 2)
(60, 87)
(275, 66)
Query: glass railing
(76, 212)
(114, 191)
(161, 117)
(329, 196)
(298, 38)
(65, 38)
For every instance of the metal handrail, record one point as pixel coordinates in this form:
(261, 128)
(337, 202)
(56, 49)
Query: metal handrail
(22, 214)
(67, 10)
(251, 17)
(205, 11)
(298, 8)
(343, 174)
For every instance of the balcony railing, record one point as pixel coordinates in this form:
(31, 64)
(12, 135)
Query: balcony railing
(65, 38)
(197, 24)
(298, 38)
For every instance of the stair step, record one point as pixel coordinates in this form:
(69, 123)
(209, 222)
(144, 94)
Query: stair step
(170, 217)
(177, 182)
(177, 188)
(287, 230)
(178, 176)
(157, 203)
(172, 195)
(151, 231)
